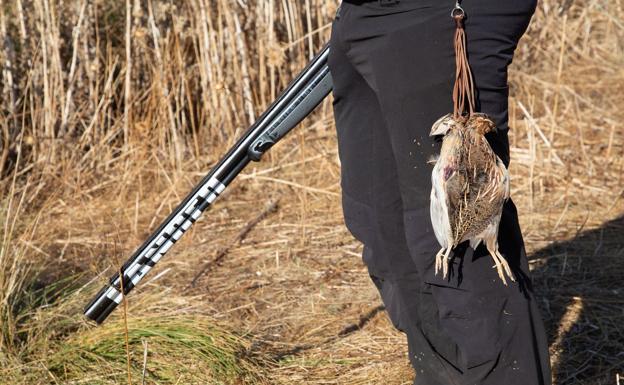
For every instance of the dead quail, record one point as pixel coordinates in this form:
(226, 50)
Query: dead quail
(469, 186)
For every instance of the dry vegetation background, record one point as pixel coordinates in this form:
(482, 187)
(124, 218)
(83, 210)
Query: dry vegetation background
(111, 111)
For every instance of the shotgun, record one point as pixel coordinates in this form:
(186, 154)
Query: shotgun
(301, 96)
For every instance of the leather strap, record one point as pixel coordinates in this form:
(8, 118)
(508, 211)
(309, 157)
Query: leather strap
(463, 90)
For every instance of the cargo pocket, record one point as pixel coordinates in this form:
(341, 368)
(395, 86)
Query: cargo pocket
(443, 344)
(473, 322)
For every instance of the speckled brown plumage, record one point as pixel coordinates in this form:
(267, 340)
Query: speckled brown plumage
(469, 187)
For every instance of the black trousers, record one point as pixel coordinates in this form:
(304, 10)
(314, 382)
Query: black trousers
(392, 63)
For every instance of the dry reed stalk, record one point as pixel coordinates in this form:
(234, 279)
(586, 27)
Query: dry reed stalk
(7, 56)
(72, 70)
(128, 72)
(164, 87)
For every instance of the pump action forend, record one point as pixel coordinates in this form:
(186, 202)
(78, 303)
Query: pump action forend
(302, 95)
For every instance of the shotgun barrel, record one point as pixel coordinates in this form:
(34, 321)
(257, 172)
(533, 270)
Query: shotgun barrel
(301, 96)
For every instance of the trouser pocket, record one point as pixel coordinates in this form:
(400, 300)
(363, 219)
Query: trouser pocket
(473, 322)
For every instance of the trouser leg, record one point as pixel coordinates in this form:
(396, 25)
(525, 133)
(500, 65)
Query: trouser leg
(373, 209)
(404, 55)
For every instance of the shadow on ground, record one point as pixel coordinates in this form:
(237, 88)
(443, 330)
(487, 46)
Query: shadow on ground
(579, 285)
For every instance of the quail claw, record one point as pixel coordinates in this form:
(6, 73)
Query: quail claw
(445, 263)
(502, 267)
(499, 270)
(438, 260)
(505, 266)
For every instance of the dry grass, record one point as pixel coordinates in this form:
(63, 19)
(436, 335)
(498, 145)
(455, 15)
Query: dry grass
(101, 138)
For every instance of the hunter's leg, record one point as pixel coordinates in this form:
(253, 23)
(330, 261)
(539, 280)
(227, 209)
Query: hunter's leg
(373, 209)
(405, 54)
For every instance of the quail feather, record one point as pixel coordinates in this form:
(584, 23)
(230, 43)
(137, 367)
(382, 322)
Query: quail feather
(470, 184)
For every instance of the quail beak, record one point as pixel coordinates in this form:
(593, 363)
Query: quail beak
(433, 159)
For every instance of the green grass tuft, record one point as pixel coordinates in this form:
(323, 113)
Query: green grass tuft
(180, 350)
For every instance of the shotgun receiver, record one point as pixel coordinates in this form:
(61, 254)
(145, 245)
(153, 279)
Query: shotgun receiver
(301, 96)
